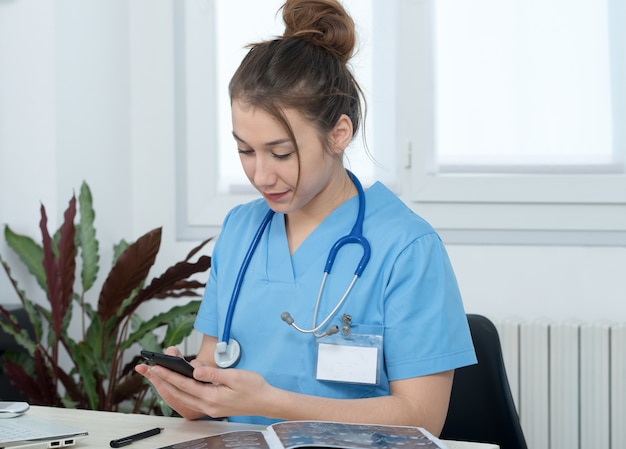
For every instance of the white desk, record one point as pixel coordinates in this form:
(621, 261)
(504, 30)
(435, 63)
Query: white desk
(105, 426)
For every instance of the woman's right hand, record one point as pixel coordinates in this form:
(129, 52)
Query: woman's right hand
(178, 391)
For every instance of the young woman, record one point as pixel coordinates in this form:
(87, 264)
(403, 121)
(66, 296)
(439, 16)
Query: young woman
(378, 346)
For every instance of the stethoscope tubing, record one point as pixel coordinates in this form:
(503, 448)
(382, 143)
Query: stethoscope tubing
(242, 272)
(315, 328)
(355, 236)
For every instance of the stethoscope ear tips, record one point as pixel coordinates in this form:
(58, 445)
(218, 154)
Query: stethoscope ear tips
(286, 317)
(227, 355)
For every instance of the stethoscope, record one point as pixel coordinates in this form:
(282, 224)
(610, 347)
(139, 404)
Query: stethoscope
(228, 350)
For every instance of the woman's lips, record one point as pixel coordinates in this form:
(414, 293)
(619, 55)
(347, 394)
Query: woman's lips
(274, 196)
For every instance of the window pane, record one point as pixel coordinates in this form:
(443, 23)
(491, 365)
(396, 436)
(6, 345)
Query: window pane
(524, 83)
(234, 31)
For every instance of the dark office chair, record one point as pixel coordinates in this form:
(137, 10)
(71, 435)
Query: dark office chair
(8, 344)
(481, 406)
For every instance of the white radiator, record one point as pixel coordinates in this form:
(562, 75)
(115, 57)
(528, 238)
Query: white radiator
(568, 381)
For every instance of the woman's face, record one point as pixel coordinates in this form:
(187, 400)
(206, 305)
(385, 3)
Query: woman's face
(270, 160)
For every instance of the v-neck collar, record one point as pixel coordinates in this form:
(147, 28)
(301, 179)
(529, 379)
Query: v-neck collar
(313, 251)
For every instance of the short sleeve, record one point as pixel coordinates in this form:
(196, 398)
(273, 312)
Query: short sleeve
(426, 328)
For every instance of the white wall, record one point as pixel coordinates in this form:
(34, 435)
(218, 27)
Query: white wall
(86, 93)
(586, 283)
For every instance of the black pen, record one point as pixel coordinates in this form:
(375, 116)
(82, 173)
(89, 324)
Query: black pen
(138, 436)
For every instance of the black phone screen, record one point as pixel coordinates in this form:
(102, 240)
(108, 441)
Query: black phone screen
(171, 362)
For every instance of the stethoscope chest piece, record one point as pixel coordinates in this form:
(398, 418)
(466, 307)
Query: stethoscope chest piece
(227, 355)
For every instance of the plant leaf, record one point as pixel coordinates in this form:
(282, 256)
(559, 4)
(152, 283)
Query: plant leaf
(87, 372)
(52, 275)
(33, 316)
(128, 273)
(150, 342)
(118, 250)
(29, 252)
(60, 272)
(22, 380)
(10, 325)
(166, 285)
(94, 334)
(32, 377)
(159, 320)
(67, 261)
(197, 248)
(128, 388)
(47, 385)
(180, 289)
(179, 328)
(87, 237)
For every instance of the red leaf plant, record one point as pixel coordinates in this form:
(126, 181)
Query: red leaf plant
(94, 371)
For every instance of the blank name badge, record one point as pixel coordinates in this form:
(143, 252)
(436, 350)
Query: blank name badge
(354, 360)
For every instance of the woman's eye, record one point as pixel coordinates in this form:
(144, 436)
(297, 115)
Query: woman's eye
(245, 152)
(282, 156)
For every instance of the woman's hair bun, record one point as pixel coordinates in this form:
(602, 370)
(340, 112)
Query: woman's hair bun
(324, 23)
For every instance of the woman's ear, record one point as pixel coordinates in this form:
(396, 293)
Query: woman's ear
(341, 134)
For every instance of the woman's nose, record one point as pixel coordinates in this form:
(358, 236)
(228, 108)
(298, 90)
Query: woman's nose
(263, 172)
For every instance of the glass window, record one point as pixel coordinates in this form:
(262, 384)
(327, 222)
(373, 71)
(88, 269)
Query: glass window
(511, 102)
(489, 118)
(525, 86)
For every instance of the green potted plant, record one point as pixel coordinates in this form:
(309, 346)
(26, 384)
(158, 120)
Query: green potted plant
(94, 370)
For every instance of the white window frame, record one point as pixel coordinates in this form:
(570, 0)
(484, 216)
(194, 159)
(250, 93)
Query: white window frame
(200, 207)
(511, 208)
(561, 209)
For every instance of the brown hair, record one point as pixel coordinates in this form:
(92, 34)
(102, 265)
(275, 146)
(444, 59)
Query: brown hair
(305, 69)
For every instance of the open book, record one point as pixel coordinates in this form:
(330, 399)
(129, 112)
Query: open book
(298, 434)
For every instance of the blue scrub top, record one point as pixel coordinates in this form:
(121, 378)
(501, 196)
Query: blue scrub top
(408, 294)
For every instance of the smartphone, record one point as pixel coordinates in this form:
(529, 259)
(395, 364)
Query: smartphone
(174, 363)
(13, 407)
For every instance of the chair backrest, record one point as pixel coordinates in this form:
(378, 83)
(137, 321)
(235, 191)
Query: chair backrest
(481, 405)
(8, 344)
